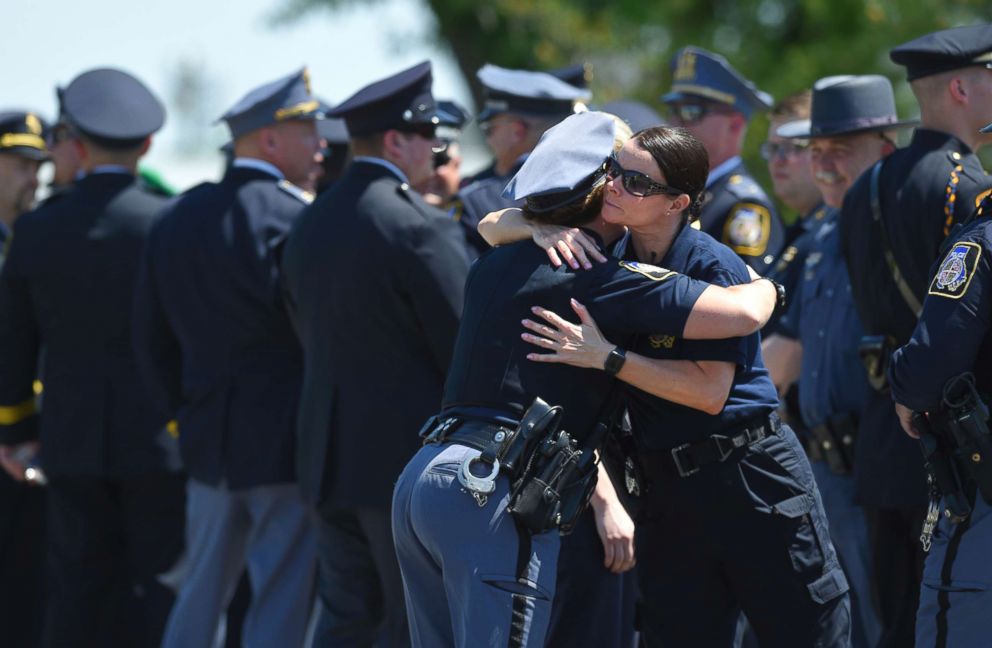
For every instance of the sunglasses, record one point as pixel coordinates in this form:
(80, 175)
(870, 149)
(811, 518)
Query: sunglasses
(772, 150)
(692, 113)
(637, 183)
(427, 131)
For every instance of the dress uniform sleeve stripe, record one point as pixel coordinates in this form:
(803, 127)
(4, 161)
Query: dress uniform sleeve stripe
(12, 414)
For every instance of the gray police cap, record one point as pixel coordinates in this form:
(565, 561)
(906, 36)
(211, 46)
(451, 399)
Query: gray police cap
(526, 92)
(566, 164)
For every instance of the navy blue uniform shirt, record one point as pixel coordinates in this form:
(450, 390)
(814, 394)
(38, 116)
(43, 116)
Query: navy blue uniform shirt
(477, 199)
(660, 424)
(924, 189)
(211, 332)
(823, 318)
(738, 212)
(490, 368)
(952, 334)
(788, 268)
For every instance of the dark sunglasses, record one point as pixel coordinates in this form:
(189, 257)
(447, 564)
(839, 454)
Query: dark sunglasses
(692, 113)
(427, 131)
(637, 183)
(771, 150)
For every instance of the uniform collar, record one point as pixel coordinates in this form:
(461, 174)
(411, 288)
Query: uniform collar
(682, 245)
(812, 219)
(722, 169)
(395, 170)
(935, 139)
(258, 165)
(110, 168)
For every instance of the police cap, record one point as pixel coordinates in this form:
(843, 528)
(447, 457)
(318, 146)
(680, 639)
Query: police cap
(402, 101)
(331, 130)
(111, 105)
(566, 164)
(987, 129)
(845, 105)
(526, 93)
(700, 74)
(22, 133)
(286, 98)
(945, 50)
(578, 75)
(452, 115)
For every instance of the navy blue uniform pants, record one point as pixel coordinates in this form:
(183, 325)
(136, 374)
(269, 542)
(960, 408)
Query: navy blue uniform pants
(109, 540)
(750, 535)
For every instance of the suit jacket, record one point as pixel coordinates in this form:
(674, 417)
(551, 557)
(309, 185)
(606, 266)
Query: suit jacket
(211, 333)
(68, 284)
(738, 213)
(374, 278)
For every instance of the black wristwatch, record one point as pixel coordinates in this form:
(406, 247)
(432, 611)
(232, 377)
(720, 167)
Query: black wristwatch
(780, 298)
(614, 361)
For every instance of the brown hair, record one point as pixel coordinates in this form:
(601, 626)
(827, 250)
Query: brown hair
(576, 213)
(794, 107)
(681, 158)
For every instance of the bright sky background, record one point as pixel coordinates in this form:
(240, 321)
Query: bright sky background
(236, 44)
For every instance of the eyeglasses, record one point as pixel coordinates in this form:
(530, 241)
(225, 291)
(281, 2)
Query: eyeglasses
(637, 183)
(692, 113)
(782, 150)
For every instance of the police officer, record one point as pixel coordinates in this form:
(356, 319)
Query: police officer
(519, 106)
(232, 380)
(336, 154)
(374, 279)
(716, 459)
(922, 191)
(22, 151)
(471, 577)
(712, 100)
(952, 337)
(115, 493)
(442, 186)
(823, 321)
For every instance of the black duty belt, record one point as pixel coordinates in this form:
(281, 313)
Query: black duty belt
(689, 458)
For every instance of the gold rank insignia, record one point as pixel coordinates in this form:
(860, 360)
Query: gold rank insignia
(685, 68)
(661, 341)
(735, 179)
(654, 273)
(956, 271)
(33, 124)
(747, 229)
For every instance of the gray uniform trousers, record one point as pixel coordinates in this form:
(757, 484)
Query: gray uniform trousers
(956, 597)
(270, 529)
(470, 579)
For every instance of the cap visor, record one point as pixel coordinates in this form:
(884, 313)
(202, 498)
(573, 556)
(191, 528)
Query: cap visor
(987, 129)
(798, 129)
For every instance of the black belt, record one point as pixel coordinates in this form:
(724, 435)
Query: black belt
(689, 458)
(474, 433)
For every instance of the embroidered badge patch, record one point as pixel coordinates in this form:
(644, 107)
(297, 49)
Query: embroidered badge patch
(957, 269)
(661, 341)
(654, 273)
(747, 229)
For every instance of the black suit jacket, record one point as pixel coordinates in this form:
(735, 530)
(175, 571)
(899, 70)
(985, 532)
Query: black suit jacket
(211, 333)
(374, 278)
(67, 284)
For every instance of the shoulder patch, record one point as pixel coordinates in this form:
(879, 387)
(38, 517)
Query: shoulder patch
(300, 194)
(455, 211)
(956, 270)
(654, 273)
(747, 229)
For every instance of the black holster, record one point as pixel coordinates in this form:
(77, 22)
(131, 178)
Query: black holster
(964, 419)
(876, 354)
(942, 469)
(555, 477)
(835, 441)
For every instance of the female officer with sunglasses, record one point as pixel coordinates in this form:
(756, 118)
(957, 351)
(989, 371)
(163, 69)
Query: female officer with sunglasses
(731, 518)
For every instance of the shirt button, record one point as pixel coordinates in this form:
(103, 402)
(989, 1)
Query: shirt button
(820, 333)
(814, 373)
(830, 292)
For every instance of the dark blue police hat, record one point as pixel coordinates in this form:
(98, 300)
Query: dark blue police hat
(332, 130)
(578, 75)
(401, 101)
(845, 105)
(700, 74)
(23, 134)
(286, 98)
(452, 115)
(526, 93)
(111, 105)
(637, 115)
(987, 129)
(945, 50)
(566, 164)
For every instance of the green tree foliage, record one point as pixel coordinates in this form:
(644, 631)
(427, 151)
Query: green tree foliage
(781, 45)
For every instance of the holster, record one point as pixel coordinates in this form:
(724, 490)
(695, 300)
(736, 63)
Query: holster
(964, 418)
(623, 465)
(943, 472)
(835, 441)
(876, 354)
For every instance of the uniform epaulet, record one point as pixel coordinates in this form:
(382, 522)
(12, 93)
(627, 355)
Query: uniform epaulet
(746, 188)
(405, 191)
(302, 195)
